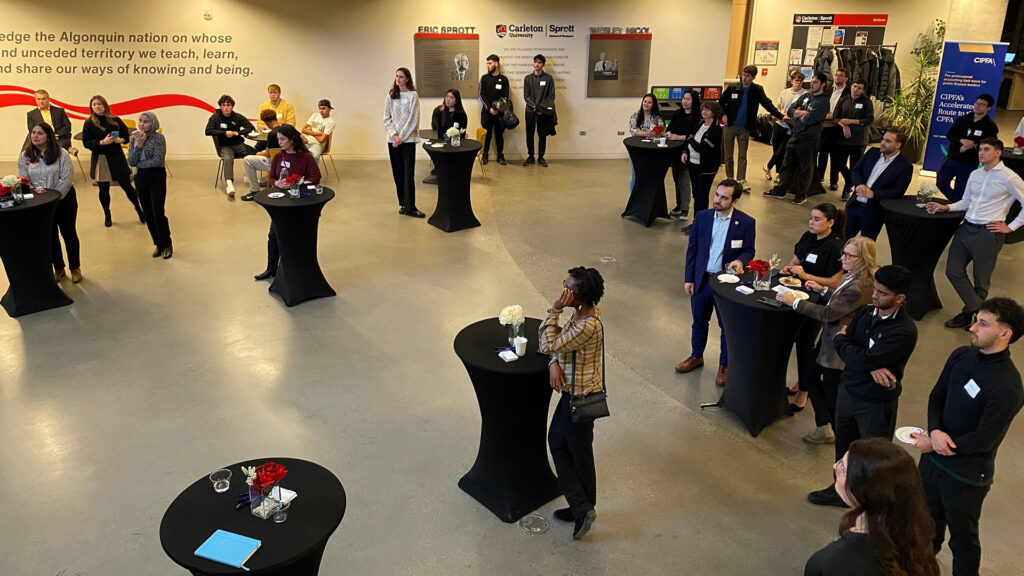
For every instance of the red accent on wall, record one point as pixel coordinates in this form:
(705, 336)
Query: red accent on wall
(620, 36)
(427, 36)
(860, 20)
(26, 97)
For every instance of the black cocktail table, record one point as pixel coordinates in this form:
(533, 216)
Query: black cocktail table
(454, 167)
(650, 164)
(296, 221)
(511, 475)
(25, 237)
(760, 338)
(292, 548)
(917, 240)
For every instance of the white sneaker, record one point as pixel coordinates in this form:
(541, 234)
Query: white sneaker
(746, 186)
(821, 435)
(229, 188)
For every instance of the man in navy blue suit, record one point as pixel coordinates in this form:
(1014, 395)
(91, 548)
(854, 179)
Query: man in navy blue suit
(881, 173)
(722, 239)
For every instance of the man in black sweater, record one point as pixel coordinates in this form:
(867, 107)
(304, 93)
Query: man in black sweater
(797, 172)
(228, 129)
(739, 104)
(965, 136)
(493, 85)
(539, 94)
(969, 411)
(875, 348)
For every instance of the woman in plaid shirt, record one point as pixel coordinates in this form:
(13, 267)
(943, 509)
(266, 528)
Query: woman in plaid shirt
(575, 349)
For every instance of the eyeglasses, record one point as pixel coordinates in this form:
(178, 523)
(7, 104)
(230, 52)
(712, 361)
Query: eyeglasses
(848, 255)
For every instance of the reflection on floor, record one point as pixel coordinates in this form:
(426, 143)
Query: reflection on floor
(163, 371)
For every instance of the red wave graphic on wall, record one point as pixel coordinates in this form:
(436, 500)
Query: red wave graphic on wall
(23, 96)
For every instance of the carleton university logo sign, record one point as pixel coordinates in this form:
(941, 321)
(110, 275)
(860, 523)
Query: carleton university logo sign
(501, 30)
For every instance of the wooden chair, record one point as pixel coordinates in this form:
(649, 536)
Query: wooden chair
(327, 154)
(481, 134)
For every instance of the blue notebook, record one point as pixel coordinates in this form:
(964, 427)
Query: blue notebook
(228, 548)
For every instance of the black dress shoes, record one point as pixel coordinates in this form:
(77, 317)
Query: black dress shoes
(501, 159)
(961, 320)
(249, 197)
(483, 159)
(107, 221)
(167, 252)
(268, 273)
(157, 252)
(415, 213)
(401, 209)
(827, 497)
(529, 161)
(583, 524)
(542, 161)
(565, 515)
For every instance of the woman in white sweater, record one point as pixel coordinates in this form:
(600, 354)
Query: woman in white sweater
(401, 123)
(44, 163)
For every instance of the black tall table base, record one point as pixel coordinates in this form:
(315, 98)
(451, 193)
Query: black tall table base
(650, 165)
(296, 222)
(454, 167)
(25, 237)
(511, 475)
(917, 240)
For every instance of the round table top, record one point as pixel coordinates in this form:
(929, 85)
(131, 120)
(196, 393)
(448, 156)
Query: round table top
(198, 512)
(475, 344)
(649, 144)
(288, 202)
(469, 146)
(728, 291)
(907, 206)
(37, 200)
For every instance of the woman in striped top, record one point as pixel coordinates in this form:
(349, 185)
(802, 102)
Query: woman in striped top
(402, 124)
(577, 349)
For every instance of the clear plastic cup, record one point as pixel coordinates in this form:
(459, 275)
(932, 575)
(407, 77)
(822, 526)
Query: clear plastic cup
(221, 480)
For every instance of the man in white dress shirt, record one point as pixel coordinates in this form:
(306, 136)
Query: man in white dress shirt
(990, 192)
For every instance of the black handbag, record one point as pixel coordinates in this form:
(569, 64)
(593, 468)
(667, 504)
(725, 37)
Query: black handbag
(592, 406)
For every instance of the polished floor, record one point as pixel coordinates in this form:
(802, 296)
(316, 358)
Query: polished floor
(162, 371)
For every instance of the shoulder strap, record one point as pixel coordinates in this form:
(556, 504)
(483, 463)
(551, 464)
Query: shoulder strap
(604, 386)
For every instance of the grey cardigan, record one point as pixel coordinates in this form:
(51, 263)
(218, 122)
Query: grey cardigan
(837, 313)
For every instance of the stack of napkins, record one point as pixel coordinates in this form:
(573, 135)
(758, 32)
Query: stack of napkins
(508, 355)
(228, 548)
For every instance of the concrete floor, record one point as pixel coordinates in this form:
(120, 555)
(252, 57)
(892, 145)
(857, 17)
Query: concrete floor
(163, 371)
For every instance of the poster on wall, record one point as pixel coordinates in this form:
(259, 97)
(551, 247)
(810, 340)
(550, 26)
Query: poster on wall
(447, 60)
(766, 52)
(968, 70)
(619, 64)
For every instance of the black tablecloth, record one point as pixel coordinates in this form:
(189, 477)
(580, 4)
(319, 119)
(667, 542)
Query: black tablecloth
(917, 240)
(650, 164)
(290, 548)
(760, 339)
(454, 172)
(511, 475)
(1014, 162)
(25, 236)
(296, 221)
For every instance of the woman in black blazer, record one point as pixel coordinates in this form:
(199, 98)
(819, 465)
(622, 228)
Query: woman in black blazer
(703, 155)
(109, 161)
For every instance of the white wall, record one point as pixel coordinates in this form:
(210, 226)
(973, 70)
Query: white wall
(347, 51)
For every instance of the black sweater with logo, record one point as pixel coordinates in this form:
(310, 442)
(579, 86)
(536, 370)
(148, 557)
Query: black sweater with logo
(872, 342)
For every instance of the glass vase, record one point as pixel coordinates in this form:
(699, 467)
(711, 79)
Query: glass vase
(456, 140)
(513, 333)
(263, 502)
(763, 283)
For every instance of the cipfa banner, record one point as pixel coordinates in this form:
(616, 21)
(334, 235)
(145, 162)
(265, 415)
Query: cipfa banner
(968, 70)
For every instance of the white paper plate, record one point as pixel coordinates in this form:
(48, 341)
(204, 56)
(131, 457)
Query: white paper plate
(903, 434)
(275, 195)
(800, 294)
(795, 282)
(728, 278)
(437, 145)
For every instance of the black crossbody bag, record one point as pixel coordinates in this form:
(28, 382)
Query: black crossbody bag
(592, 406)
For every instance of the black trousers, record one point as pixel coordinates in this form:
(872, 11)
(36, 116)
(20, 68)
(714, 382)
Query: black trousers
(826, 151)
(273, 250)
(531, 127)
(780, 136)
(403, 168)
(797, 172)
(126, 185)
(806, 338)
(955, 505)
(493, 125)
(151, 184)
(822, 387)
(700, 184)
(65, 226)
(572, 449)
(846, 157)
(858, 418)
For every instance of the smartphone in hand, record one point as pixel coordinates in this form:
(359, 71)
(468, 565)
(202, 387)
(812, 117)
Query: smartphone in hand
(115, 134)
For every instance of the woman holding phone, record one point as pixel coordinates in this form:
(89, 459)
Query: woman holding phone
(293, 159)
(44, 163)
(146, 153)
(103, 134)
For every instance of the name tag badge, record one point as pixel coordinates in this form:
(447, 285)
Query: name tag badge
(858, 106)
(497, 86)
(735, 96)
(223, 126)
(737, 244)
(972, 388)
(812, 258)
(543, 82)
(862, 200)
(279, 116)
(286, 164)
(977, 132)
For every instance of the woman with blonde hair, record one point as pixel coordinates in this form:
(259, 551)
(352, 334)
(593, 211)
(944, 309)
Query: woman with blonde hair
(819, 375)
(103, 134)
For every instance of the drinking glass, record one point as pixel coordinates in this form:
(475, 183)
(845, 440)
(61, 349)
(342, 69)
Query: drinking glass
(221, 480)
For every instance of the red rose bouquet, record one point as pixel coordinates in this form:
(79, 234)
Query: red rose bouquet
(7, 184)
(268, 474)
(1018, 141)
(293, 179)
(759, 266)
(658, 131)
